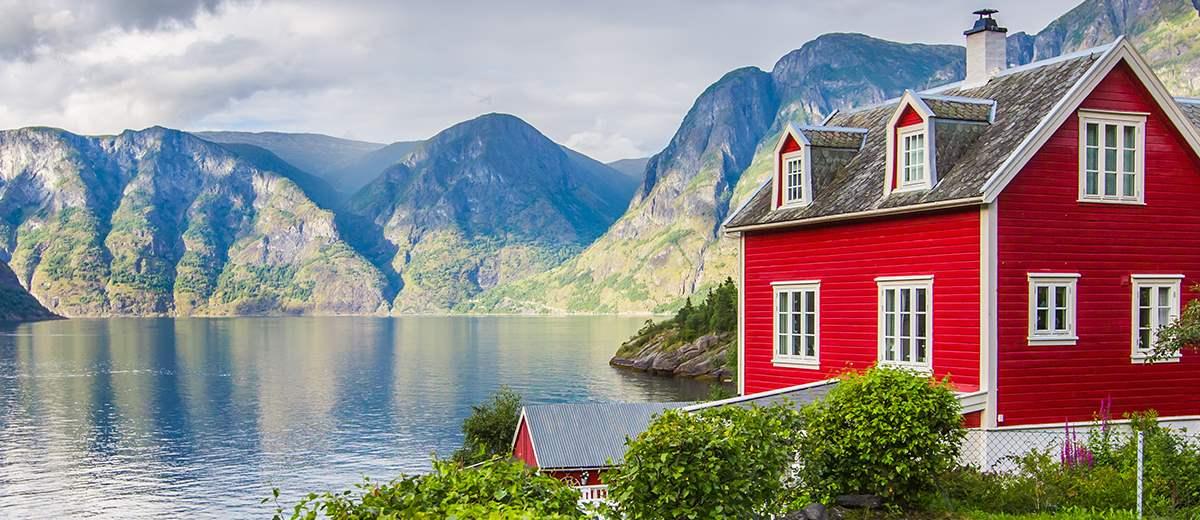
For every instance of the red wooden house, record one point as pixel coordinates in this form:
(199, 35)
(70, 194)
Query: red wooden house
(1024, 232)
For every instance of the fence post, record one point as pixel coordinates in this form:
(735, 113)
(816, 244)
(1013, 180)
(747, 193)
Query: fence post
(1139, 474)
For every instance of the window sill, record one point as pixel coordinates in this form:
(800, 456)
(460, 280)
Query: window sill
(1107, 201)
(911, 189)
(1053, 341)
(1143, 359)
(793, 204)
(809, 364)
(920, 369)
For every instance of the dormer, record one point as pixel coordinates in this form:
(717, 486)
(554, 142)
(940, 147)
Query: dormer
(793, 184)
(926, 130)
(806, 158)
(911, 161)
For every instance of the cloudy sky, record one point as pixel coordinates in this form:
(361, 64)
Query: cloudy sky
(612, 79)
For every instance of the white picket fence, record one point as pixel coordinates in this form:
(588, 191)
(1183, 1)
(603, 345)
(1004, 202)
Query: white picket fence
(592, 495)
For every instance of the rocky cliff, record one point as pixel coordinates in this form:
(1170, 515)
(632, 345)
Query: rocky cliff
(159, 222)
(16, 304)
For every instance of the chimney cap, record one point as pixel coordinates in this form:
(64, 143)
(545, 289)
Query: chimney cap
(985, 23)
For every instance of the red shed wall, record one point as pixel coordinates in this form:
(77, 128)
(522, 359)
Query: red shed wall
(847, 258)
(1042, 227)
(523, 447)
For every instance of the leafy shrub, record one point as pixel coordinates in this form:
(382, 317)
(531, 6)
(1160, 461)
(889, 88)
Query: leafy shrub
(886, 432)
(497, 488)
(725, 462)
(490, 427)
(1183, 333)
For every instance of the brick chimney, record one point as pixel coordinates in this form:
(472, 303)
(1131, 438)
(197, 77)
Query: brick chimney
(987, 49)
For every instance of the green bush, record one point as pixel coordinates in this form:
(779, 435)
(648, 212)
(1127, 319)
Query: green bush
(726, 462)
(886, 432)
(489, 430)
(497, 488)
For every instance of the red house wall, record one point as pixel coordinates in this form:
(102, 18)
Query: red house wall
(523, 447)
(789, 145)
(847, 258)
(579, 478)
(1042, 227)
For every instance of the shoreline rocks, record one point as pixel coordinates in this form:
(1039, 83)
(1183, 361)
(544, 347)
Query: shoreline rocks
(661, 354)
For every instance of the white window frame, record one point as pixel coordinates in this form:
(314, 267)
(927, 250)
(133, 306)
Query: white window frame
(902, 165)
(789, 359)
(802, 156)
(912, 283)
(1174, 282)
(1122, 119)
(1055, 335)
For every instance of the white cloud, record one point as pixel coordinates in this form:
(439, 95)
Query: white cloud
(387, 71)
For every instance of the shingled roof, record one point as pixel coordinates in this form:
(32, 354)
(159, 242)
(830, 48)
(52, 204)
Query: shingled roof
(1021, 99)
(959, 108)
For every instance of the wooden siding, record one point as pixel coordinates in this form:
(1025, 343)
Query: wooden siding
(523, 447)
(847, 258)
(1043, 228)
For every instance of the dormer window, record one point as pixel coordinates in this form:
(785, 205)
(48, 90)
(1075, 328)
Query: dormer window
(793, 178)
(912, 158)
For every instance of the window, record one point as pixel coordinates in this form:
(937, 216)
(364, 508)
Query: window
(793, 178)
(905, 321)
(912, 159)
(1111, 157)
(797, 324)
(1155, 305)
(1052, 309)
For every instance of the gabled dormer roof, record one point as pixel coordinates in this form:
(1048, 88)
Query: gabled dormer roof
(1024, 106)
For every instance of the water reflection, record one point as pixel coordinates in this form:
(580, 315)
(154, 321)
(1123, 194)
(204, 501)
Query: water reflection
(147, 418)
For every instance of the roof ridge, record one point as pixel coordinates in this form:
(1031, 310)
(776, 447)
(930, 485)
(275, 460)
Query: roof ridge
(819, 128)
(958, 99)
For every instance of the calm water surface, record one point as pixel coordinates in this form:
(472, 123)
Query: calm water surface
(153, 418)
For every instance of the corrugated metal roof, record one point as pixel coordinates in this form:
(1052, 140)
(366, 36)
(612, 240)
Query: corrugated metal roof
(797, 396)
(587, 435)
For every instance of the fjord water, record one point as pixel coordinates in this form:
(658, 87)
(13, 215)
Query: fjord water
(152, 418)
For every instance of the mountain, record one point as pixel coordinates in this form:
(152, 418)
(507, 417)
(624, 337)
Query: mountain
(330, 158)
(16, 304)
(667, 245)
(1165, 31)
(632, 168)
(482, 203)
(353, 175)
(158, 221)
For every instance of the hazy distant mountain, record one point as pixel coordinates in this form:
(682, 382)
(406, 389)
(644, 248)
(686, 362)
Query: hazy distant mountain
(158, 221)
(321, 155)
(485, 202)
(632, 168)
(352, 176)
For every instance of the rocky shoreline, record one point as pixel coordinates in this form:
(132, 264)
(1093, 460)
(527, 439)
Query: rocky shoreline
(660, 353)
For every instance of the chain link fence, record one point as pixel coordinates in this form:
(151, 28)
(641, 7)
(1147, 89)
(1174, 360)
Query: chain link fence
(1002, 450)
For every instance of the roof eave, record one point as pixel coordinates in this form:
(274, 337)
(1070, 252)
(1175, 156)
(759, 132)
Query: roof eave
(858, 215)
